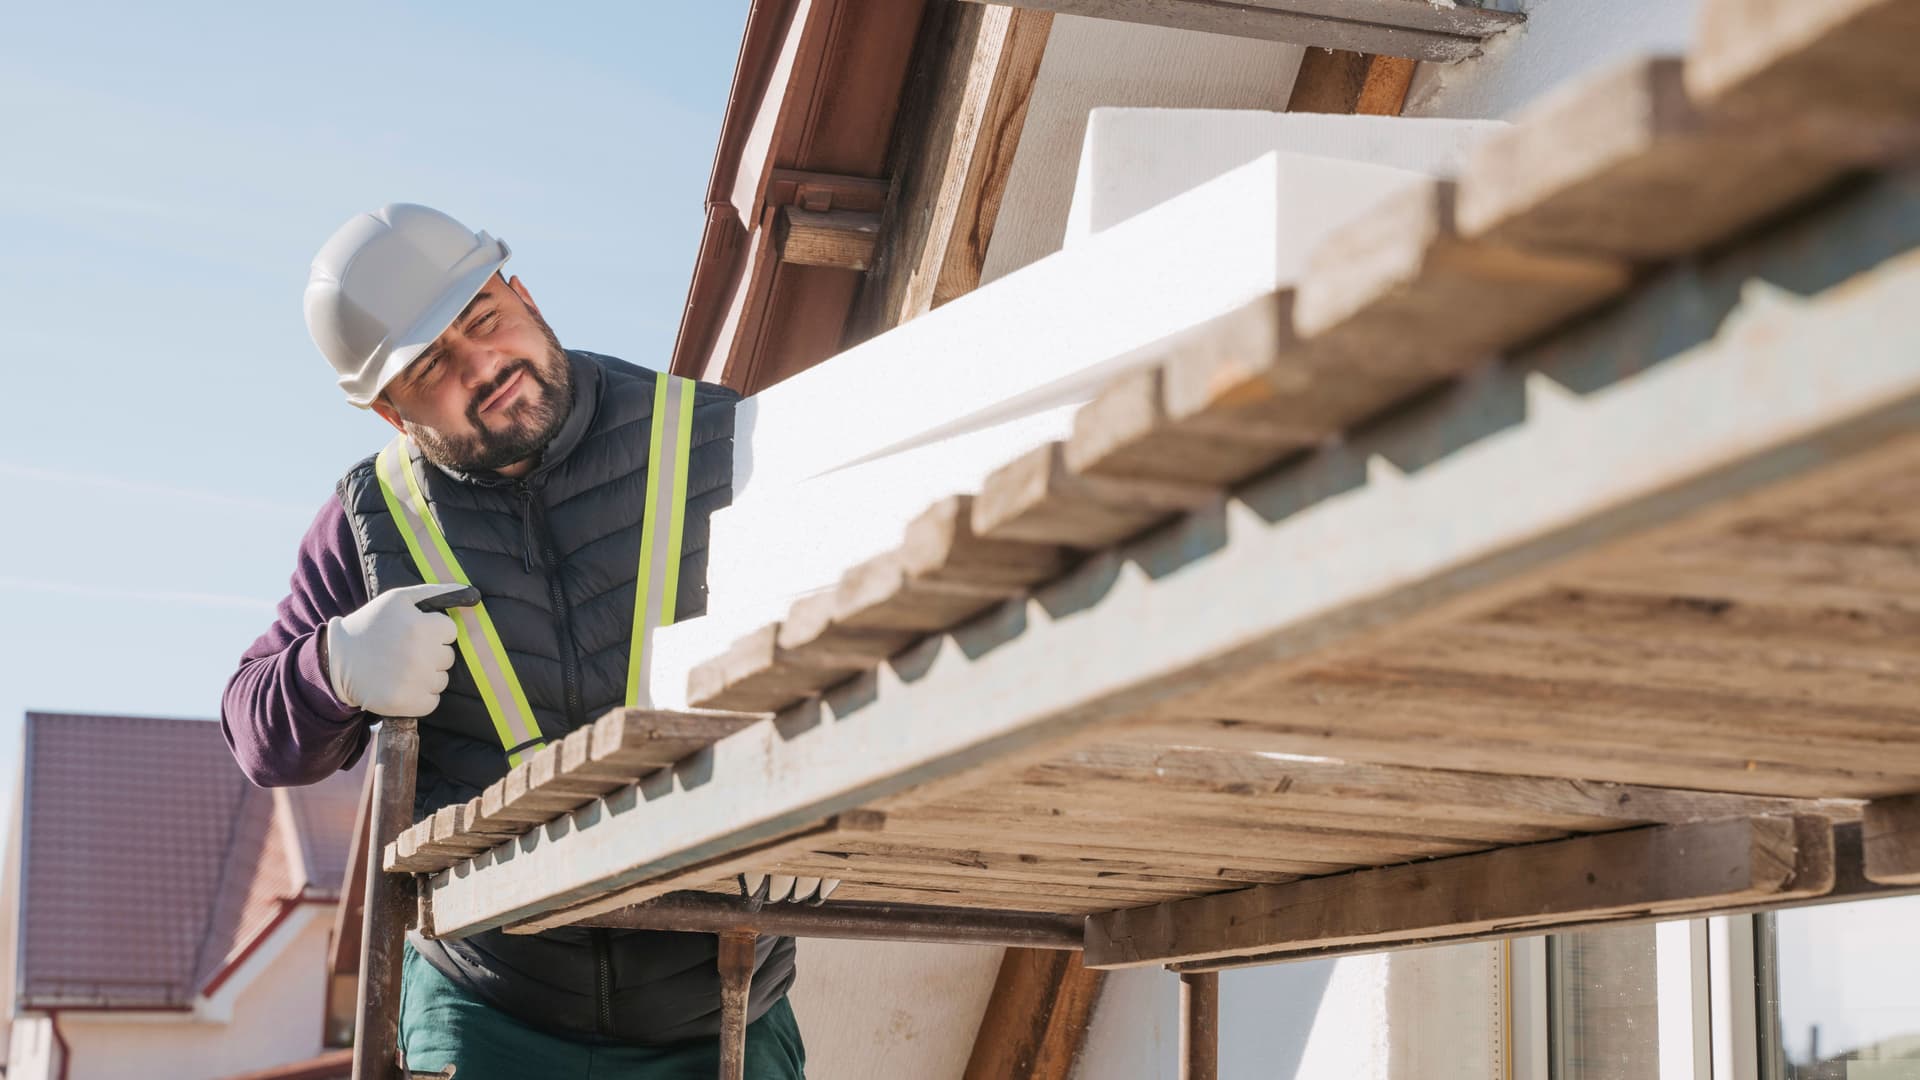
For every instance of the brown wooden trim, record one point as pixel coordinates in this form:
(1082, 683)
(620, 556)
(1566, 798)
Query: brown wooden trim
(972, 80)
(1341, 81)
(1850, 884)
(837, 238)
(1036, 1020)
(809, 123)
(1890, 831)
(1666, 870)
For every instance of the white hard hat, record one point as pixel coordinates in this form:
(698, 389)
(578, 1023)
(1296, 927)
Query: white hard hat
(385, 284)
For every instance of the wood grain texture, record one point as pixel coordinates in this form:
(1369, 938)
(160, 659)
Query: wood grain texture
(1400, 295)
(1345, 82)
(1039, 499)
(1890, 833)
(717, 873)
(389, 908)
(1621, 164)
(1846, 65)
(613, 752)
(1668, 869)
(973, 80)
(1128, 434)
(840, 239)
(810, 635)
(1036, 1019)
(757, 675)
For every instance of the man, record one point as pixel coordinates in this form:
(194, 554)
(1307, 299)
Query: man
(532, 462)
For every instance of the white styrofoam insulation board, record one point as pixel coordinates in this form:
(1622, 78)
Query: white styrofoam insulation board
(1135, 159)
(831, 464)
(1091, 63)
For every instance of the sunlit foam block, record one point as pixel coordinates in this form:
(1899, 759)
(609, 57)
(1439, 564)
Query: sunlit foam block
(1135, 159)
(832, 464)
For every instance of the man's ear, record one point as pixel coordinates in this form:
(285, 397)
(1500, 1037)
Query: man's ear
(388, 414)
(525, 296)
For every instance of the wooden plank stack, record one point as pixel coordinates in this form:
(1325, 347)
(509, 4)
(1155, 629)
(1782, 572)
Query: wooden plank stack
(1714, 683)
(618, 750)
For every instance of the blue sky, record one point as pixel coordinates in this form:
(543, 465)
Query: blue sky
(168, 172)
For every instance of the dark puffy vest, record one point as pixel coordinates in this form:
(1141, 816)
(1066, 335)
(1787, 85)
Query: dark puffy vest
(555, 554)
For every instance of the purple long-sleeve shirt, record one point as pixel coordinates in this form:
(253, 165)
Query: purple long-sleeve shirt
(279, 712)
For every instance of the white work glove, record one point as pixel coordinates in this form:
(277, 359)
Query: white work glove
(389, 657)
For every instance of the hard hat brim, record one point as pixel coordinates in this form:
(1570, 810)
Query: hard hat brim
(404, 348)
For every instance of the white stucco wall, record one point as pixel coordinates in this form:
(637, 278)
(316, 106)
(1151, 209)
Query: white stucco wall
(1423, 1015)
(873, 1010)
(276, 1018)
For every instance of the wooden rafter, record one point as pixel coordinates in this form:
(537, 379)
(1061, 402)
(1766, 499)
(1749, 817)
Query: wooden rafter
(842, 239)
(1036, 1020)
(973, 78)
(1668, 870)
(1342, 81)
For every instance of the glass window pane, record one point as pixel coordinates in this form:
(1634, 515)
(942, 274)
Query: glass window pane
(1605, 1017)
(1844, 998)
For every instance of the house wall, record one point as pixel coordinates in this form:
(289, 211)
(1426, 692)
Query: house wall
(276, 1018)
(1427, 1014)
(30, 1049)
(883, 1010)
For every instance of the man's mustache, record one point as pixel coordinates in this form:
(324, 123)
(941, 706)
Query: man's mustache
(481, 395)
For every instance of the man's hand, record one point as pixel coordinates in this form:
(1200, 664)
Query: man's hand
(390, 657)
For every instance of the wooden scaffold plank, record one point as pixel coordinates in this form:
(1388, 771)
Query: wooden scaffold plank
(1666, 870)
(1890, 832)
(1550, 476)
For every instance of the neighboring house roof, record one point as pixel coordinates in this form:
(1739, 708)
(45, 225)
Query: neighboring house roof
(151, 867)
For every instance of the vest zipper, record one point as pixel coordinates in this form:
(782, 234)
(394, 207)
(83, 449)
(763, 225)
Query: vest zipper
(603, 986)
(562, 614)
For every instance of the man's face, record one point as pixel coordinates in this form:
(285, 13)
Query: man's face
(490, 392)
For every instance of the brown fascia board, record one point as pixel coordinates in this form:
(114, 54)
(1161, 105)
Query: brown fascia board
(814, 137)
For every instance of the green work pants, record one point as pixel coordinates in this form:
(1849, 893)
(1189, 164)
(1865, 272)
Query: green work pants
(441, 1024)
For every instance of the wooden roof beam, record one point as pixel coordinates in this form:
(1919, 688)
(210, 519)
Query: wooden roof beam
(1670, 870)
(1850, 884)
(967, 104)
(1407, 28)
(842, 239)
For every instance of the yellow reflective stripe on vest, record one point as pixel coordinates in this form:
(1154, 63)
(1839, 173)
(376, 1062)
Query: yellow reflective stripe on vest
(658, 581)
(479, 643)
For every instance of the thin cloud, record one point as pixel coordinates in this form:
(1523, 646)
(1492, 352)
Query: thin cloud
(141, 487)
(225, 601)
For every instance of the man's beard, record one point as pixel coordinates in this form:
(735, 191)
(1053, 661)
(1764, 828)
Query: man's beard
(526, 428)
